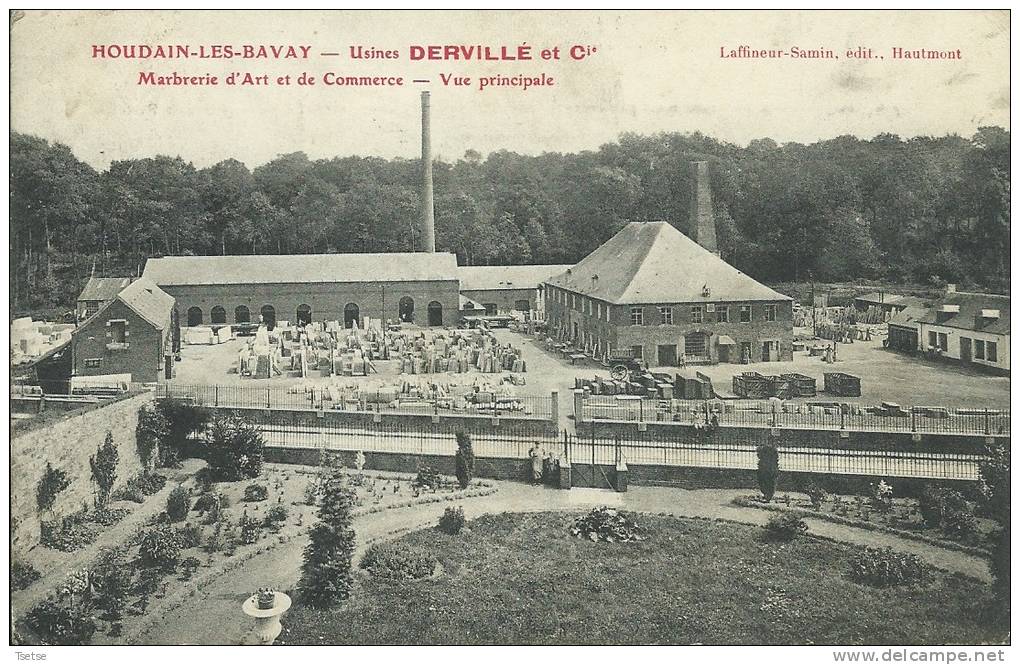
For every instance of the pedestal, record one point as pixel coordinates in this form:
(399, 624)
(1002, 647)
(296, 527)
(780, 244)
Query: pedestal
(267, 622)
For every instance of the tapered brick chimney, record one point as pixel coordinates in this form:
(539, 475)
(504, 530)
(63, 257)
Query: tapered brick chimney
(702, 222)
(428, 213)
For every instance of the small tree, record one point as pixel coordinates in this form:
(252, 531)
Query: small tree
(178, 504)
(465, 460)
(152, 429)
(768, 470)
(326, 573)
(52, 483)
(104, 471)
(237, 449)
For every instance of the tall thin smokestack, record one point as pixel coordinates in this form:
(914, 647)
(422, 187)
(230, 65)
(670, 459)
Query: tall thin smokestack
(702, 220)
(428, 210)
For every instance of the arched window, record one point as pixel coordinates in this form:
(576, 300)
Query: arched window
(242, 314)
(352, 314)
(218, 315)
(405, 311)
(435, 313)
(194, 316)
(268, 316)
(304, 315)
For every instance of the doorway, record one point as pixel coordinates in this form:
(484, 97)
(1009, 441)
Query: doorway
(352, 314)
(405, 310)
(194, 316)
(769, 351)
(269, 317)
(965, 349)
(667, 355)
(696, 346)
(435, 313)
(304, 315)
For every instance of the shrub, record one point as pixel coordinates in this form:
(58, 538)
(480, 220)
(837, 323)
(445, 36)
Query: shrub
(61, 624)
(959, 524)
(189, 566)
(929, 504)
(236, 449)
(608, 525)
(108, 516)
(140, 486)
(152, 429)
(104, 470)
(178, 504)
(452, 520)
(881, 497)
(768, 470)
(785, 527)
(53, 482)
(312, 493)
(111, 579)
(326, 571)
(68, 535)
(161, 547)
(256, 492)
(816, 495)
(189, 535)
(250, 529)
(886, 568)
(427, 478)
(465, 460)
(205, 502)
(398, 561)
(215, 542)
(277, 513)
(23, 574)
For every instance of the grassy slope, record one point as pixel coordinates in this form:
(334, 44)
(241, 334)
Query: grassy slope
(522, 579)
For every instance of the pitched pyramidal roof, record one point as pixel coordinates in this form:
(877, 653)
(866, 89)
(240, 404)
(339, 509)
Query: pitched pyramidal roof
(652, 262)
(301, 268)
(103, 288)
(493, 278)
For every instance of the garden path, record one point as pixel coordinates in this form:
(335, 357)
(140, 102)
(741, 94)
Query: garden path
(213, 615)
(55, 566)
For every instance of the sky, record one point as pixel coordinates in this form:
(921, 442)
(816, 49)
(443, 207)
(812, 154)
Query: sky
(649, 72)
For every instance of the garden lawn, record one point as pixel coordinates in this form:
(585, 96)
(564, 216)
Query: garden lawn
(523, 579)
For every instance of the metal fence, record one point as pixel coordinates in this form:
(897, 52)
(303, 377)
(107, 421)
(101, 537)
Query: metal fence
(537, 407)
(506, 441)
(816, 415)
(890, 462)
(515, 441)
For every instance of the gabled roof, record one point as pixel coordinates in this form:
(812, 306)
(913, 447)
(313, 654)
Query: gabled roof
(968, 318)
(301, 268)
(492, 278)
(652, 262)
(149, 302)
(894, 299)
(907, 317)
(103, 288)
(143, 298)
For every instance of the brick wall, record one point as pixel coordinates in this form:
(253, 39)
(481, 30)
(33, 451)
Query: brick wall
(141, 357)
(504, 299)
(67, 444)
(327, 300)
(620, 334)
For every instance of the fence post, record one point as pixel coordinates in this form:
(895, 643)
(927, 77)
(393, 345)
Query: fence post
(578, 406)
(554, 408)
(842, 418)
(268, 405)
(987, 422)
(216, 396)
(641, 410)
(913, 419)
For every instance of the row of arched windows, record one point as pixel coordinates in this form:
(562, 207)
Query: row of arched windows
(303, 315)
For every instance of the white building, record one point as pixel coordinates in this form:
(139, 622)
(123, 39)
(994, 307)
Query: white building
(970, 327)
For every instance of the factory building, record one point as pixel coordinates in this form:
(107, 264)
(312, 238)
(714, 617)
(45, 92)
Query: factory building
(506, 289)
(97, 292)
(972, 328)
(653, 293)
(420, 288)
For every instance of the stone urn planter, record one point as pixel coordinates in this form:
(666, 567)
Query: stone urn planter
(267, 621)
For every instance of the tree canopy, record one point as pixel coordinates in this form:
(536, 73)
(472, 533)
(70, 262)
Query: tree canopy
(840, 209)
